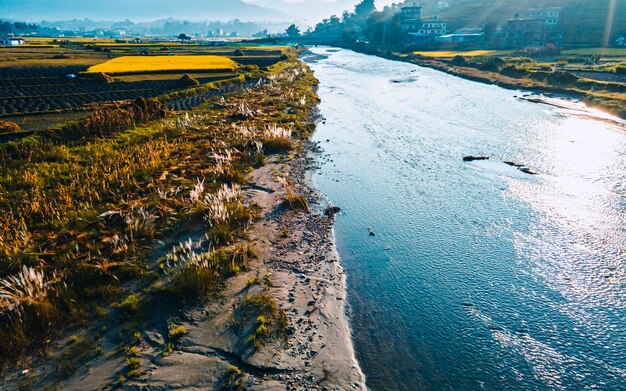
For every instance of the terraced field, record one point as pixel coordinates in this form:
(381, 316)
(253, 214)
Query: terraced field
(40, 90)
(47, 82)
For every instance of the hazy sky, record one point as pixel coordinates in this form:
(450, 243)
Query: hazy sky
(314, 10)
(305, 12)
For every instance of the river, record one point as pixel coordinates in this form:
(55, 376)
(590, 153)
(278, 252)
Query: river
(479, 276)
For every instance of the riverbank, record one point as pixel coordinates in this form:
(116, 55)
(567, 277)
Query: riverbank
(221, 272)
(297, 268)
(606, 96)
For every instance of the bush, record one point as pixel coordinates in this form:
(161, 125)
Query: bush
(9, 127)
(297, 202)
(277, 139)
(177, 332)
(513, 71)
(458, 60)
(101, 78)
(201, 274)
(620, 69)
(129, 306)
(270, 320)
(493, 64)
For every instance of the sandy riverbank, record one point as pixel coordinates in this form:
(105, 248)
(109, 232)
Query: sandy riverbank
(307, 281)
(302, 273)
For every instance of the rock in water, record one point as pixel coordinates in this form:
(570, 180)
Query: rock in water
(471, 158)
(331, 211)
(528, 171)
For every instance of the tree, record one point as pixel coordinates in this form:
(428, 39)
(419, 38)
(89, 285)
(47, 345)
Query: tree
(184, 37)
(293, 31)
(364, 9)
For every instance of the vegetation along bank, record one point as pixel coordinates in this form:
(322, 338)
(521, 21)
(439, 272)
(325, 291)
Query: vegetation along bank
(146, 248)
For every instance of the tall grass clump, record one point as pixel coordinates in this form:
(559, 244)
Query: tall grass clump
(277, 139)
(225, 214)
(197, 272)
(26, 308)
(104, 122)
(28, 289)
(293, 200)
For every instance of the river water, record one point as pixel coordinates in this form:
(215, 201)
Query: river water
(479, 276)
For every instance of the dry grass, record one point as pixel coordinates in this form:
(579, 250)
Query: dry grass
(82, 214)
(277, 139)
(143, 64)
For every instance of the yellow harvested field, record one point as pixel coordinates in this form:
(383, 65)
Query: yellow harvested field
(472, 53)
(140, 64)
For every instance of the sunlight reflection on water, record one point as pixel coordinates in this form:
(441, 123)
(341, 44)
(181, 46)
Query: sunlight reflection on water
(480, 276)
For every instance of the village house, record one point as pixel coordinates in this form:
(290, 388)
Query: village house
(539, 27)
(420, 30)
(11, 42)
(463, 38)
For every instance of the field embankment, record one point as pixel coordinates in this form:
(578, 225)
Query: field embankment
(41, 82)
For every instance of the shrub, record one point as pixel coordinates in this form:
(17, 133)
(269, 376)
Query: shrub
(98, 77)
(234, 380)
(271, 321)
(132, 362)
(293, 200)
(458, 60)
(28, 289)
(177, 332)
(198, 274)
(493, 64)
(9, 127)
(129, 306)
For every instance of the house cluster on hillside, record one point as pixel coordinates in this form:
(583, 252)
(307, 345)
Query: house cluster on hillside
(537, 28)
(421, 30)
(434, 31)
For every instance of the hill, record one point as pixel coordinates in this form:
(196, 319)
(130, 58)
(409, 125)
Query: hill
(584, 21)
(310, 11)
(139, 10)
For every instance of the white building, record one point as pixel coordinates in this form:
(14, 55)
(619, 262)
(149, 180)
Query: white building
(11, 42)
(550, 15)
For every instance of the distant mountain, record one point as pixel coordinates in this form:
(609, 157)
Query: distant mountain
(310, 11)
(584, 21)
(137, 10)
